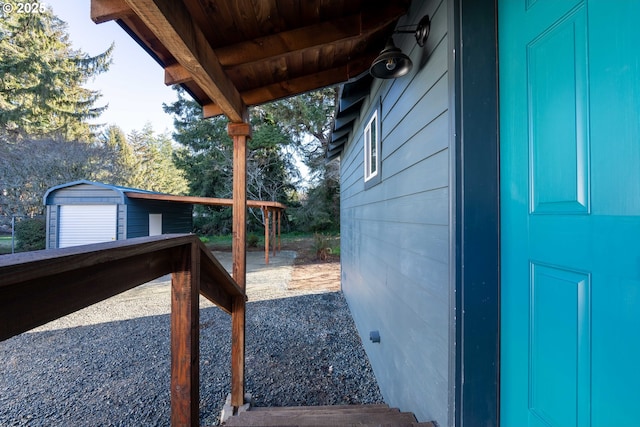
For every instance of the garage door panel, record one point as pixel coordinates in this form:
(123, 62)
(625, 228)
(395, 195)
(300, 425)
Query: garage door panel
(87, 224)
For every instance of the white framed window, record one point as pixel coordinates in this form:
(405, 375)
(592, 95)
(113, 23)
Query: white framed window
(372, 147)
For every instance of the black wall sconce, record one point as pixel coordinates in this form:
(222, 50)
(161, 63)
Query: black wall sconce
(392, 63)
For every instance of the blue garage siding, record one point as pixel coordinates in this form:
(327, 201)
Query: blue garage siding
(132, 214)
(84, 193)
(176, 217)
(395, 235)
(51, 227)
(81, 194)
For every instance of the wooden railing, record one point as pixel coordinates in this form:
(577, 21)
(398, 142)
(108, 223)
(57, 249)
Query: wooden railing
(37, 287)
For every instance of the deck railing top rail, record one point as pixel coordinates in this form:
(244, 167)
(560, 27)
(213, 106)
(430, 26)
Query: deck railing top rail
(37, 287)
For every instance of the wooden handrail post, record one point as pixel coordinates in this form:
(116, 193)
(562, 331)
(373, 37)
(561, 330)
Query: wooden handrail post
(185, 337)
(240, 132)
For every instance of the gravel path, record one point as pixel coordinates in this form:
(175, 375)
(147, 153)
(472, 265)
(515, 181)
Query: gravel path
(109, 364)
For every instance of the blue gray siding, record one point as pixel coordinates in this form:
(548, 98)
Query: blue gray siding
(133, 214)
(396, 234)
(82, 194)
(176, 217)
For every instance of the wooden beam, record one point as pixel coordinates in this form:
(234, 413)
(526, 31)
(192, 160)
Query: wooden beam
(173, 26)
(176, 74)
(212, 201)
(279, 230)
(299, 84)
(216, 284)
(238, 316)
(273, 232)
(211, 110)
(267, 248)
(240, 132)
(108, 10)
(185, 338)
(313, 81)
(341, 30)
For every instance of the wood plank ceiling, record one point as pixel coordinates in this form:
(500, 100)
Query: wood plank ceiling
(230, 54)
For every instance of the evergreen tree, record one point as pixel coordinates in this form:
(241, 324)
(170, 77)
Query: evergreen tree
(154, 168)
(123, 161)
(308, 118)
(42, 77)
(206, 156)
(206, 150)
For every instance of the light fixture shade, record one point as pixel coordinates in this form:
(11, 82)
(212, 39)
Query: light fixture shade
(391, 63)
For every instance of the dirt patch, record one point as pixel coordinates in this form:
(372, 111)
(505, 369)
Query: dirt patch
(323, 276)
(309, 273)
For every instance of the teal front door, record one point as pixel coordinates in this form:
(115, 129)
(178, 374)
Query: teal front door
(570, 212)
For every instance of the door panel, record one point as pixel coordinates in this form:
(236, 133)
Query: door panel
(87, 224)
(570, 206)
(155, 224)
(558, 112)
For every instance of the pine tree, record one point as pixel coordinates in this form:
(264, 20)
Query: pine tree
(123, 161)
(206, 157)
(42, 77)
(154, 169)
(308, 119)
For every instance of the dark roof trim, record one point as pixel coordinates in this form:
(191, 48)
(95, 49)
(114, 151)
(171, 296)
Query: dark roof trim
(118, 189)
(355, 92)
(333, 154)
(344, 120)
(350, 99)
(338, 134)
(339, 143)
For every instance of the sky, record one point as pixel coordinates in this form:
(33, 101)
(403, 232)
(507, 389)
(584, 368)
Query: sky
(134, 85)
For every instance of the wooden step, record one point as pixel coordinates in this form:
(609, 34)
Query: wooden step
(339, 415)
(343, 409)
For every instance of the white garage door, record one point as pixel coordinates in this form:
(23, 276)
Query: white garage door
(86, 224)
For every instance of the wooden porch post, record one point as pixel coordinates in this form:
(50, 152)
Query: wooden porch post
(239, 132)
(267, 248)
(185, 338)
(273, 232)
(279, 230)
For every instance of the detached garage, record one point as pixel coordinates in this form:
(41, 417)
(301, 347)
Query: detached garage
(85, 212)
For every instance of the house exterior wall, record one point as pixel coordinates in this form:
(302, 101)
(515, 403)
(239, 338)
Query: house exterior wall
(396, 269)
(176, 217)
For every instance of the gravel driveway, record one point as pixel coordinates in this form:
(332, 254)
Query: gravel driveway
(109, 363)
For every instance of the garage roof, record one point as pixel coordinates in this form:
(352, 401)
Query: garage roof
(136, 193)
(118, 189)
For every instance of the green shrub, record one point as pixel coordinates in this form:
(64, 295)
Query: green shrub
(321, 246)
(30, 234)
(252, 240)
